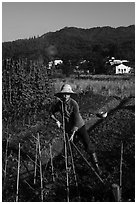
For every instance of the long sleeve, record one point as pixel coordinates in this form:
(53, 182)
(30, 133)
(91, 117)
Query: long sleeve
(55, 108)
(78, 120)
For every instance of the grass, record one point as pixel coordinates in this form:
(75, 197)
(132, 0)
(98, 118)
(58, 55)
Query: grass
(113, 86)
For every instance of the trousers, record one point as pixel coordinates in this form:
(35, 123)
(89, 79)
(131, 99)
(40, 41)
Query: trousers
(83, 136)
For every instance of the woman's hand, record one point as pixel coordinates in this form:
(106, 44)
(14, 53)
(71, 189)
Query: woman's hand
(73, 133)
(58, 124)
(74, 129)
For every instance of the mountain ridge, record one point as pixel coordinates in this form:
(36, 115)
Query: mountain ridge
(72, 42)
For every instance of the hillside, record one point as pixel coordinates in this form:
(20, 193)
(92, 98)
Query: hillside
(76, 43)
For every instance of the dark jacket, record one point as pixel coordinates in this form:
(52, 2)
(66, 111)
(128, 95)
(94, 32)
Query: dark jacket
(72, 115)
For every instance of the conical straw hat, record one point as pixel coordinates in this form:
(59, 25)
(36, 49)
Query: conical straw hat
(65, 89)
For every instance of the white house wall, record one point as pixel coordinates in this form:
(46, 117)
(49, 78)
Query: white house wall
(122, 69)
(56, 62)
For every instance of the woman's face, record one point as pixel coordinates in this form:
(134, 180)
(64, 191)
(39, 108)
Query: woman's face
(66, 97)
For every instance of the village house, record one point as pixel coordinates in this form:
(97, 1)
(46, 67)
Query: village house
(58, 61)
(51, 67)
(54, 62)
(123, 69)
(121, 66)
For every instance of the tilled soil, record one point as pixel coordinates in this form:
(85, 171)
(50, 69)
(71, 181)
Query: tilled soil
(108, 134)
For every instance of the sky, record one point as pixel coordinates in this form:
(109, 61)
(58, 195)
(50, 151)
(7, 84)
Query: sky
(28, 19)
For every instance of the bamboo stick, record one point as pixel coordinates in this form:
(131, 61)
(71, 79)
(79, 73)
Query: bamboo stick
(6, 158)
(36, 157)
(66, 159)
(33, 161)
(51, 159)
(35, 137)
(121, 161)
(87, 163)
(67, 176)
(73, 166)
(41, 177)
(29, 185)
(116, 192)
(17, 192)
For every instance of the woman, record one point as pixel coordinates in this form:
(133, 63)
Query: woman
(74, 123)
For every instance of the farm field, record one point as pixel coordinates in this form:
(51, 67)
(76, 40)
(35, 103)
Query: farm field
(109, 85)
(117, 97)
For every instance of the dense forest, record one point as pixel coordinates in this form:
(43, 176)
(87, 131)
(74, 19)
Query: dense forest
(75, 43)
(70, 43)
